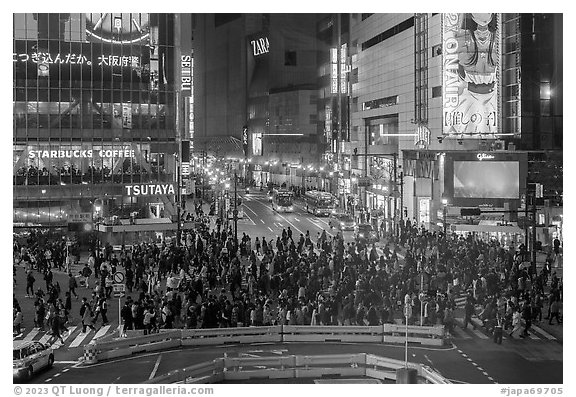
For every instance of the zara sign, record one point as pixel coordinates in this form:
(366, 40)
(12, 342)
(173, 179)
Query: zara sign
(260, 46)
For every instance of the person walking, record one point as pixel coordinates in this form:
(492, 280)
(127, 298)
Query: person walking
(554, 312)
(72, 284)
(55, 327)
(86, 315)
(527, 317)
(468, 312)
(516, 322)
(30, 280)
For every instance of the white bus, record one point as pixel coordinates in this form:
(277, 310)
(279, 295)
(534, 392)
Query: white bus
(319, 203)
(282, 200)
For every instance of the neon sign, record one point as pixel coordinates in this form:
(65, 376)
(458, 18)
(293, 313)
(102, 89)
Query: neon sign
(260, 46)
(44, 58)
(484, 156)
(149, 189)
(88, 153)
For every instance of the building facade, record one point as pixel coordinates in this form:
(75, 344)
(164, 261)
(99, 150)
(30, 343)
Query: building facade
(95, 133)
(403, 130)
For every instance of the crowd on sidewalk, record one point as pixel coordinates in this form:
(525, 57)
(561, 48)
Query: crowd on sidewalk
(208, 281)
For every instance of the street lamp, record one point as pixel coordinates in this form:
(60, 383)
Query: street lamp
(444, 209)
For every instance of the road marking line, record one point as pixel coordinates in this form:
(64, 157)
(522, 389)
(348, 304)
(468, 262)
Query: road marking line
(469, 359)
(479, 334)
(48, 380)
(262, 221)
(81, 336)
(532, 336)
(270, 229)
(296, 219)
(543, 333)
(70, 330)
(31, 334)
(155, 367)
(101, 332)
(474, 364)
(45, 338)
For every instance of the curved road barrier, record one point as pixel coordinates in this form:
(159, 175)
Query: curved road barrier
(166, 339)
(297, 367)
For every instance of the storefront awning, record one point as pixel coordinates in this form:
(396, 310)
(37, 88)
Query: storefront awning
(486, 228)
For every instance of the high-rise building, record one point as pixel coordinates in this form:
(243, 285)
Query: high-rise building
(95, 134)
(417, 84)
(256, 84)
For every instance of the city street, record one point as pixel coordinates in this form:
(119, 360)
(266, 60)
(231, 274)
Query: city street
(154, 153)
(538, 357)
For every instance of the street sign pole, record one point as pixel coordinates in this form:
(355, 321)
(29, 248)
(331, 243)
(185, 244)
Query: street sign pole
(407, 310)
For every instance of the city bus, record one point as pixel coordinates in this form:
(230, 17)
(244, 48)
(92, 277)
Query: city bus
(282, 200)
(319, 203)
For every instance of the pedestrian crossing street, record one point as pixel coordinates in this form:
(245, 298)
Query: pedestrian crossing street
(536, 333)
(73, 338)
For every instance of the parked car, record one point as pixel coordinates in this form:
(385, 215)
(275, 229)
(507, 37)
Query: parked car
(29, 357)
(341, 221)
(365, 234)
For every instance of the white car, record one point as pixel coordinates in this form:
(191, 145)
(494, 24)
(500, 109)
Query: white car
(29, 357)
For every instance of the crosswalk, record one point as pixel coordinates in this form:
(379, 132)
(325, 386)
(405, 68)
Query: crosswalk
(73, 338)
(535, 333)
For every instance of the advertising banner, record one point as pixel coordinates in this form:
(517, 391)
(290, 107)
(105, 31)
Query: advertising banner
(471, 52)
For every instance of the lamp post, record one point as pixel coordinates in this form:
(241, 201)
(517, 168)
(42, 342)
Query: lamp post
(445, 204)
(235, 210)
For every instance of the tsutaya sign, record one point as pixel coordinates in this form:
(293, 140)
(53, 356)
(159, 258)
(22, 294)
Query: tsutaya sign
(151, 189)
(89, 153)
(260, 46)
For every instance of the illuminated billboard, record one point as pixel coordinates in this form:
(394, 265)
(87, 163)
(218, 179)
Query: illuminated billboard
(471, 51)
(482, 179)
(485, 179)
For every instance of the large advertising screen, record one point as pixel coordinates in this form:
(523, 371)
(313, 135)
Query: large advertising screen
(471, 52)
(482, 179)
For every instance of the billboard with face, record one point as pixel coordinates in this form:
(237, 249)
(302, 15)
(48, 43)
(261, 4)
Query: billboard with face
(471, 50)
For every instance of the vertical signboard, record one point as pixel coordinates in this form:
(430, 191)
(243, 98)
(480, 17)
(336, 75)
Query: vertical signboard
(343, 69)
(245, 140)
(334, 70)
(470, 51)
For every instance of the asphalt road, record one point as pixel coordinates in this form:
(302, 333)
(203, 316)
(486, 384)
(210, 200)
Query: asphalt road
(471, 362)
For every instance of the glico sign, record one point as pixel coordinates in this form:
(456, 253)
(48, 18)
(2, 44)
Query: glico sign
(151, 189)
(470, 50)
(484, 156)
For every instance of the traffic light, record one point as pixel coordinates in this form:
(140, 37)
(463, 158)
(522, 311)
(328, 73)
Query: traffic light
(470, 211)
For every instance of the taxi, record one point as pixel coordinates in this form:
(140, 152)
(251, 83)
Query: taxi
(29, 357)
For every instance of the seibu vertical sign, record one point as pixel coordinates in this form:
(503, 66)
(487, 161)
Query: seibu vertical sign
(186, 74)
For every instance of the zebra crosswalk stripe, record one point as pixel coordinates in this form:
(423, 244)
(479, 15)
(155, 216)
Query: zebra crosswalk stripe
(101, 332)
(542, 332)
(31, 334)
(45, 337)
(79, 338)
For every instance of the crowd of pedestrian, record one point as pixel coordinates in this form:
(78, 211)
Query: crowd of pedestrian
(208, 281)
